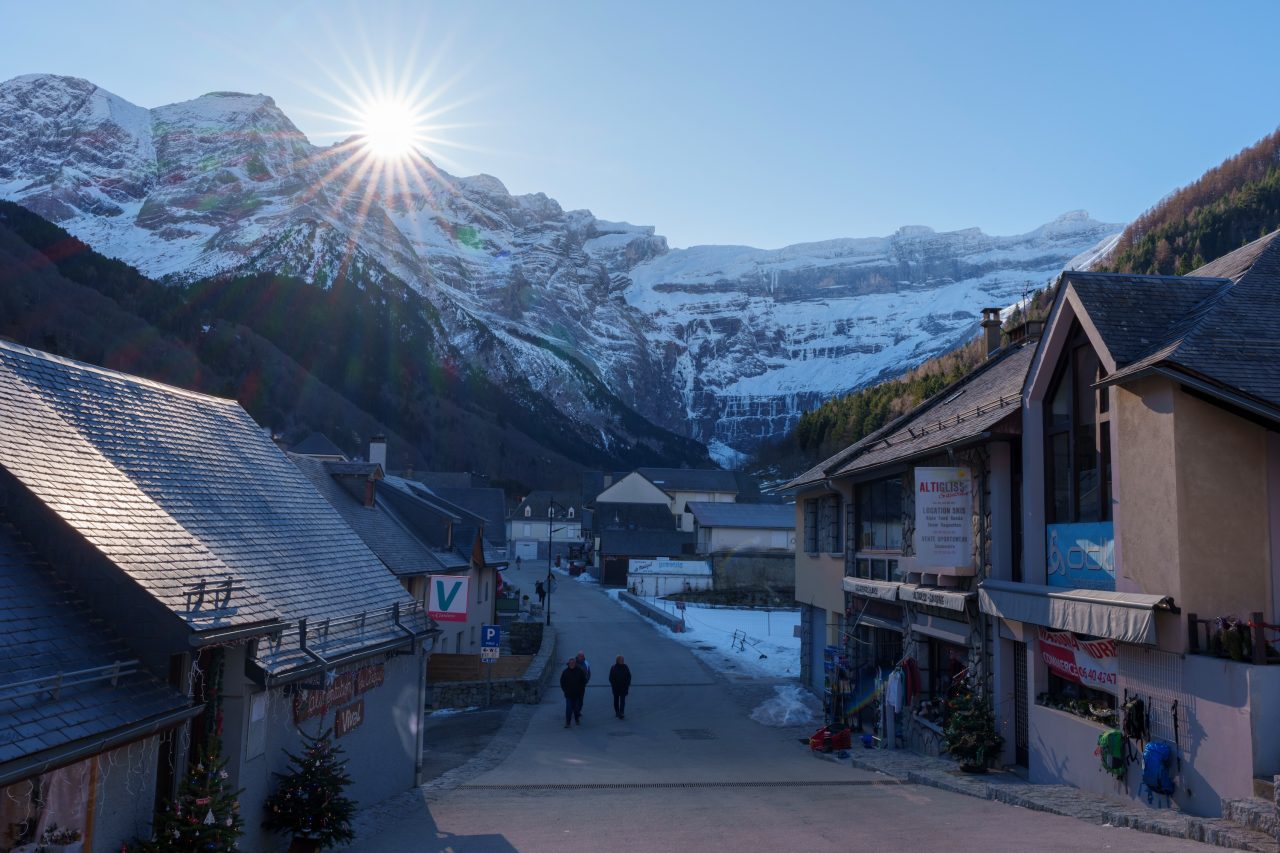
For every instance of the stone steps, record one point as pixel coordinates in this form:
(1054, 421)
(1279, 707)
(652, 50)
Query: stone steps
(1254, 813)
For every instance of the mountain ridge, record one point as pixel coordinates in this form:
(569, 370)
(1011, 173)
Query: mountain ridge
(225, 184)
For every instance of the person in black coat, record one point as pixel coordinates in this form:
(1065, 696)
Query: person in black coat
(573, 682)
(620, 681)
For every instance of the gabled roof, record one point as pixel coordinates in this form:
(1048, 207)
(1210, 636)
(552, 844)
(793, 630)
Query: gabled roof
(47, 631)
(755, 516)
(318, 444)
(175, 487)
(624, 516)
(431, 518)
(691, 479)
(380, 528)
(488, 503)
(539, 501)
(644, 543)
(962, 412)
(1215, 328)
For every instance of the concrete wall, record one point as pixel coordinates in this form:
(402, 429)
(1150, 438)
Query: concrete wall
(125, 794)
(737, 569)
(381, 753)
(746, 539)
(657, 614)
(480, 604)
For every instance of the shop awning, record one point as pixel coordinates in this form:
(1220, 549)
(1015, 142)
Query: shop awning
(883, 590)
(950, 599)
(1125, 616)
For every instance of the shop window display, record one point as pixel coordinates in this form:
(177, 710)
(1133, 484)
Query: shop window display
(47, 813)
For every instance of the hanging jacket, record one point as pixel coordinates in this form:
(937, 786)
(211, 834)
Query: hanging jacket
(893, 690)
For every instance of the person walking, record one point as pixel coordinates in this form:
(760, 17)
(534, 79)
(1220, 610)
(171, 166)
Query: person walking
(585, 666)
(573, 683)
(620, 681)
(517, 562)
(542, 593)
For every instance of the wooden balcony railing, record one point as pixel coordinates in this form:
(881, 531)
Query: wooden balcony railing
(1248, 641)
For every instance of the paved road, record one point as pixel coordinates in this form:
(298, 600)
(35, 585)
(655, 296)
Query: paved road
(688, 770)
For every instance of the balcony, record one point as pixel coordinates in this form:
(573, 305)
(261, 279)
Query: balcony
(1244, 641)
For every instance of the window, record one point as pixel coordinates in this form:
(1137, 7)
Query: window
(256, 741)
(571, 512)
(528, 511)
(879, 522)
(829, 524)
(528, 528)
(1077, 439)
(473, 635)
(811, 526)
(877, 569)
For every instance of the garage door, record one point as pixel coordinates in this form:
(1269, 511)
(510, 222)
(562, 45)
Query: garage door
(527, 549)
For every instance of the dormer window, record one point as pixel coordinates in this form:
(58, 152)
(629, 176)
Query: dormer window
(551, 512)
(571, 512)
(528, 511)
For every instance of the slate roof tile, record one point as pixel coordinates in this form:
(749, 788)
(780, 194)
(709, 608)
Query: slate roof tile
(46, 630)
(176, 487)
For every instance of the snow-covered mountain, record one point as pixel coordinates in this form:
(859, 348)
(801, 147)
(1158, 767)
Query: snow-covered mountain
(726, 344)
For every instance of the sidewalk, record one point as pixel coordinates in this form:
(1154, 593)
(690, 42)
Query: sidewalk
(1058, 799)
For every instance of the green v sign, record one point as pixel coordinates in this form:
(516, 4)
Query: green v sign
(448, 598)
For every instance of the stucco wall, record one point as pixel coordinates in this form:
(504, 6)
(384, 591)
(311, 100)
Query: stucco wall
(380, 753)
(1146, 491)
(1222, 511)
(819, 578)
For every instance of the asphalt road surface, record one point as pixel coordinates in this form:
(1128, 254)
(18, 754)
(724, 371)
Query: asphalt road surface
(687, 770)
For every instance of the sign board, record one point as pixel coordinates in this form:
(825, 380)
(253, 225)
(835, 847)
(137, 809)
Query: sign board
(344, 687)
(944, 518)
(490, 635)
(663, 566)
(1093, 663)
(1082, 556)
(448, 599)
(488, 654)
(948, 599)
(679, 605)
(348, 718)
(883, 590)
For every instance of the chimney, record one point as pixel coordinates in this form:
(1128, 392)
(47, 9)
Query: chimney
(378, 451)
(369, 492)
(991, 328)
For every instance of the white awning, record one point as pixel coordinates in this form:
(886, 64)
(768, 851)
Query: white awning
(1125, 616)
(950, 599)
(883, 590)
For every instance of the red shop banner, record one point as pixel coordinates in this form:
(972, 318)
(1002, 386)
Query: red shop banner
(1093, 663)
(346, 686)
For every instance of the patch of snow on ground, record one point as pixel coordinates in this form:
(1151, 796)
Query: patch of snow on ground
(449, 712)
(793, 706)
(771, 648)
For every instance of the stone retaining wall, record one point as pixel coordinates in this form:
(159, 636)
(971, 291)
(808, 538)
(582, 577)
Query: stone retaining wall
(657, 614)
(526, 689)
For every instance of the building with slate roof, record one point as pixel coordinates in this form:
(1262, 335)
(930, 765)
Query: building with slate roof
(80, 718)
(546, 525)
(453, 532)
(211, 555)
(676, 487)
(894, 533)
(1151, 492)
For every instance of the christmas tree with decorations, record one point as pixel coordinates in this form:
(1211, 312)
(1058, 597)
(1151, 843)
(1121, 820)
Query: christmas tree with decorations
(309, 802)
(206, 813)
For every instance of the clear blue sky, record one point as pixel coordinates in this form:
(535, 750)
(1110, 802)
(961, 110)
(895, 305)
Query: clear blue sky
(737, 122)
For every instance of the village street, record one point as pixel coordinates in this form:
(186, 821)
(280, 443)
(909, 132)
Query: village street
(688, 770)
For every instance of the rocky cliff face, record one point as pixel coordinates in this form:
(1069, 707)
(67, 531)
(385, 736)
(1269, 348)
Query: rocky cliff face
(725, 344)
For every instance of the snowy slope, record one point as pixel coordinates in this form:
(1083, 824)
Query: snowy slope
(727, 344)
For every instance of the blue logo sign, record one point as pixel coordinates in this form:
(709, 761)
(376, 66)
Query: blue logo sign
(1082, 556)
(490, 635)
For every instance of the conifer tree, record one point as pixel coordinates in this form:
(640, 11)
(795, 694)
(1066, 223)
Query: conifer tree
(205, 815)
(309, 802)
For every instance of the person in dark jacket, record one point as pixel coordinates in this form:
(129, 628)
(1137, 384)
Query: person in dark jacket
(573, 683)
(620, 681)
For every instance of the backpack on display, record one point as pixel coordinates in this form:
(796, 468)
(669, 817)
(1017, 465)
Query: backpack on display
(1157, 769)
(1111, 752)
(1135, 719)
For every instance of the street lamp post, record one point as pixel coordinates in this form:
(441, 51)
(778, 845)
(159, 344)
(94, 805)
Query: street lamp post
(551, 505)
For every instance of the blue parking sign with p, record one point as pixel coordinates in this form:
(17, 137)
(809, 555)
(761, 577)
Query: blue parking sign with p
(490, 635)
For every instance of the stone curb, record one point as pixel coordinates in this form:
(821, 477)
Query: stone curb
(1063, 800)
(647, 610)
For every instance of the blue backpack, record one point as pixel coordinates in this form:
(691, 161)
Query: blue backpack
(1157, 769)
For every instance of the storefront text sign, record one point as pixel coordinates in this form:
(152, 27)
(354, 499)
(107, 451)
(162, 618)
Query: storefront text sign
(348, 718)
(448, 598)
(1093, 663)
(1082, 556)
(947, 599)
(944, 518)
(871, 589)
(345, 687)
